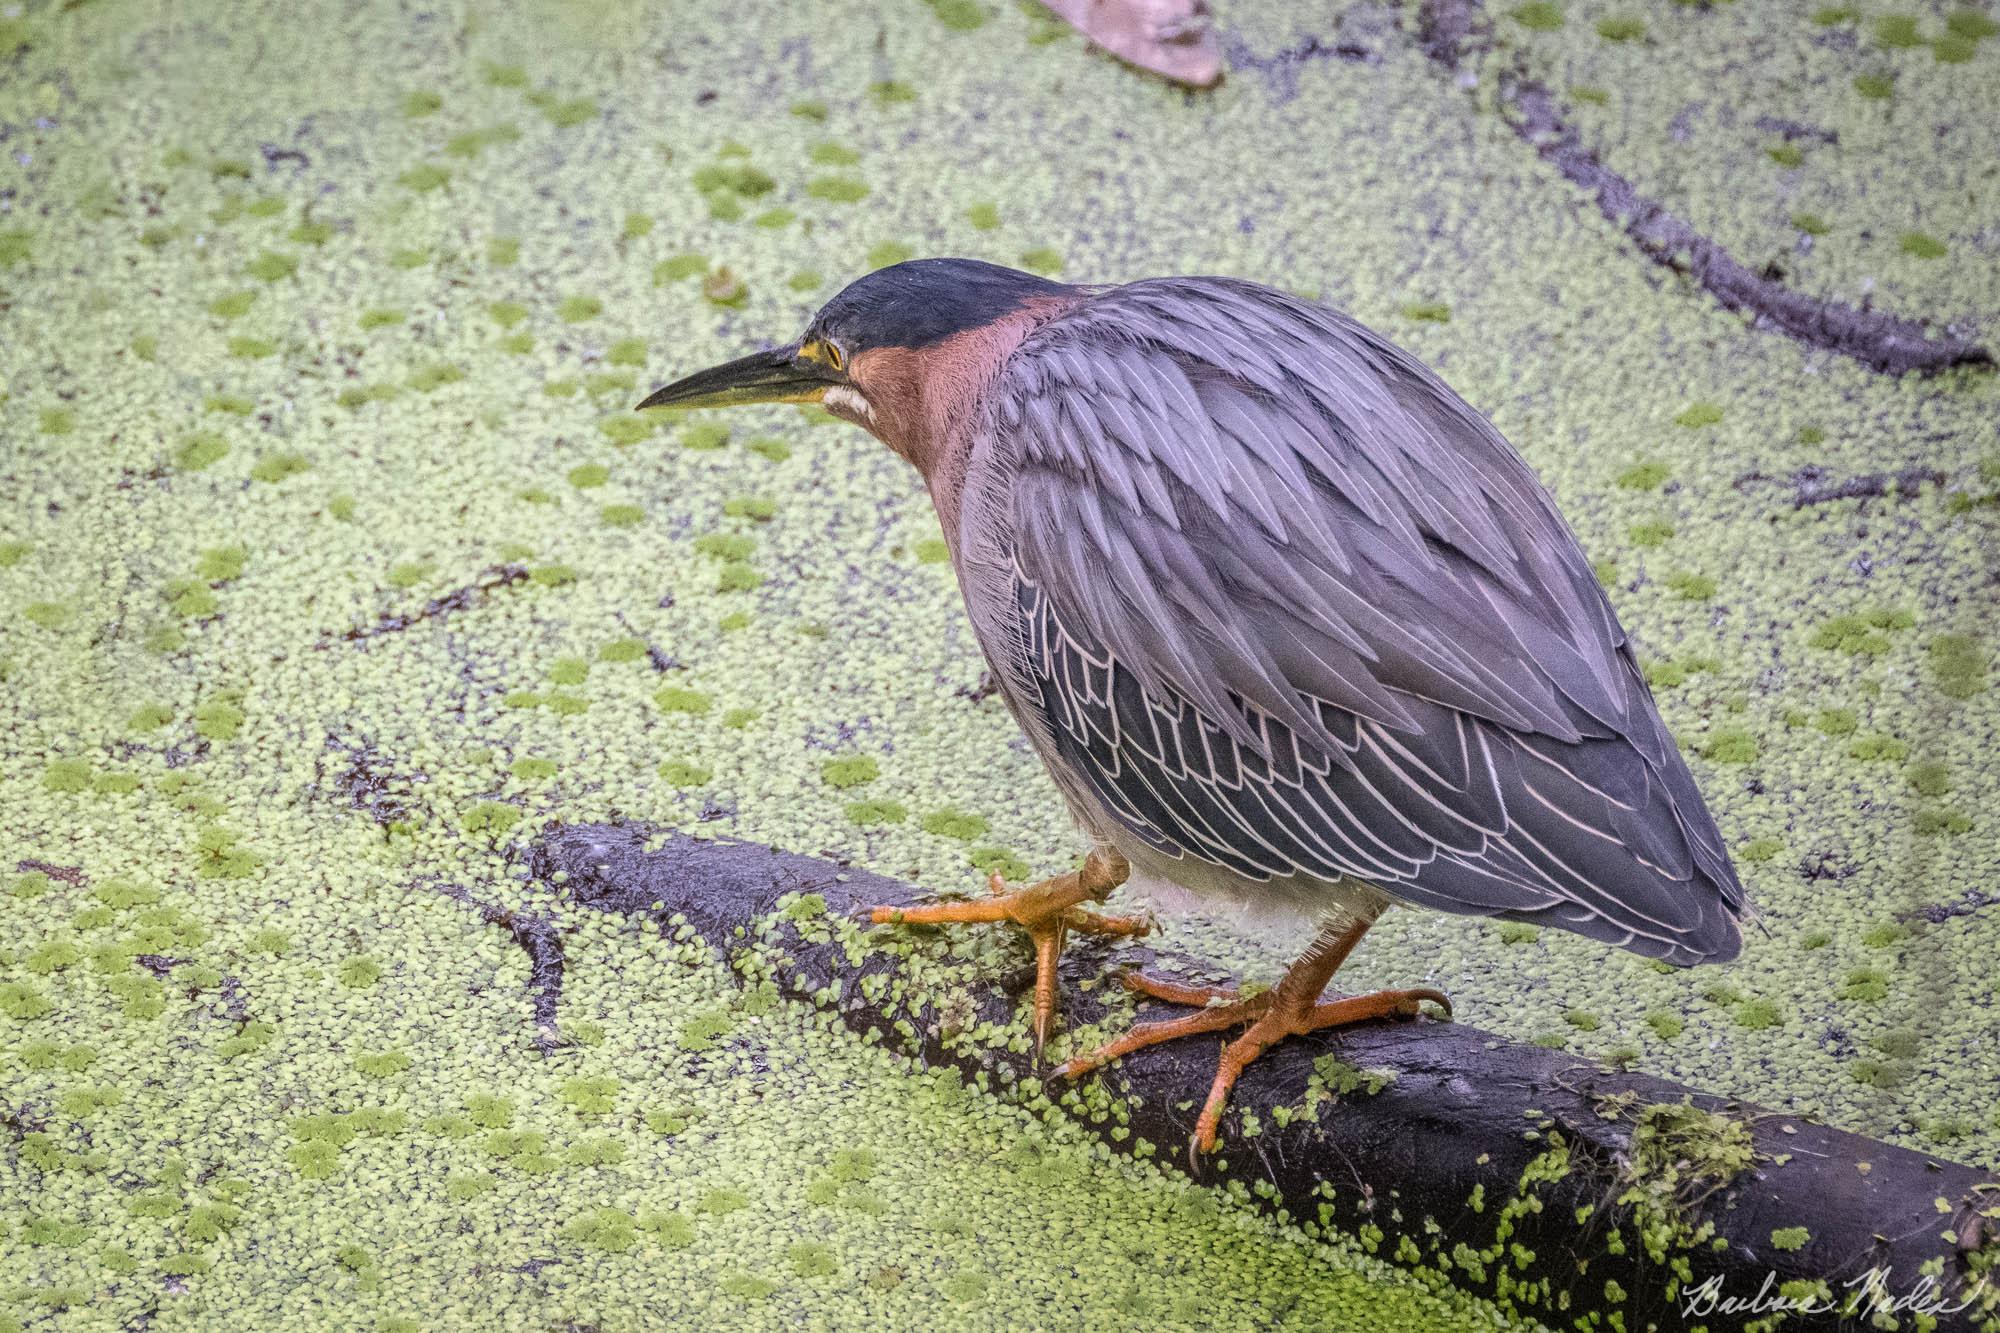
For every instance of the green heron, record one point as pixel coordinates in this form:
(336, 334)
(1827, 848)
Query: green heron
(1291, 625)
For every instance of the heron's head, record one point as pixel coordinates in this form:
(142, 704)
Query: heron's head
(874, 353)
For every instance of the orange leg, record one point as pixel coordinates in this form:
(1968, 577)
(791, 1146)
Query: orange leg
(1048, 910)
(1291, 1008)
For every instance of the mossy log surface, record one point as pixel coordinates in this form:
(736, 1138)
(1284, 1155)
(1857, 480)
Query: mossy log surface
(1524, 1170)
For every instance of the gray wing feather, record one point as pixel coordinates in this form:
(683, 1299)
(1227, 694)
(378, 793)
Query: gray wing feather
(1287, 605)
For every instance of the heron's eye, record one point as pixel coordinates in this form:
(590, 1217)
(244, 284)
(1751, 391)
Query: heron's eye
(824, 352)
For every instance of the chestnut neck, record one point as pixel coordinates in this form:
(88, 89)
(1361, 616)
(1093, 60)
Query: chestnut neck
(921, 400)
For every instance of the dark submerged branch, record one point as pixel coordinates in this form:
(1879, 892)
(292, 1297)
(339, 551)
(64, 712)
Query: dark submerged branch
(1451, 32)
(544, 947)
(458, 599)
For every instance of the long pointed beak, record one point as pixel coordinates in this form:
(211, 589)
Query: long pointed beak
(777, 376)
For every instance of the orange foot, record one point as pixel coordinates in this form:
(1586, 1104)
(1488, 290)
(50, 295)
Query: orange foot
(1291, 1008)
(1048, 910)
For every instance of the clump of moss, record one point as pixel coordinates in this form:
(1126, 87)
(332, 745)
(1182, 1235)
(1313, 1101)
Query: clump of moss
(1666, 1024)
(1730, 745)
(565, 113)
(1874, 1074)
(627, 429)
(1758, 1013)
(604, 1228)
(1958, 665)
(680, 773)
(382, 1064)
(676, 267)
(218, 719)
(1971, 24)
(1690, 586)
(621, 516)
(951, 822)
(888, 252)
(1877, 747)
(733, 177)
(1930, 777)
(837, 189)
(1647, 476)
(1696, 415)
(737, 576)
(1898, 31)
(1860, 633)
(1538, 16)
(591, 1095)
(1937, 823)
(234, 305)
(1759, 850)
(272, 266)
(47, 615)
(1875, 87)
(1865, 984)
(676, 699)
(278, 465)
(726, 545)
(407, 574)
(850, 771)
(552, 576)
(1000, 860)
(1650, 533)
(1679, 1155)
(1952, 49)
(1922, 245)
(705, 434)
(875, 814)
(66, 775)
(191, 597)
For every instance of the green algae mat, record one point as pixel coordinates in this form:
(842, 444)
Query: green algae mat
(334, 566)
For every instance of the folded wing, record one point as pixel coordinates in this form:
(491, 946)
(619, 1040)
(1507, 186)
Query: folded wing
(1287, 605)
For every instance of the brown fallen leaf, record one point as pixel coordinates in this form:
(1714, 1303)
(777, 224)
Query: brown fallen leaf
(1172, 38)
